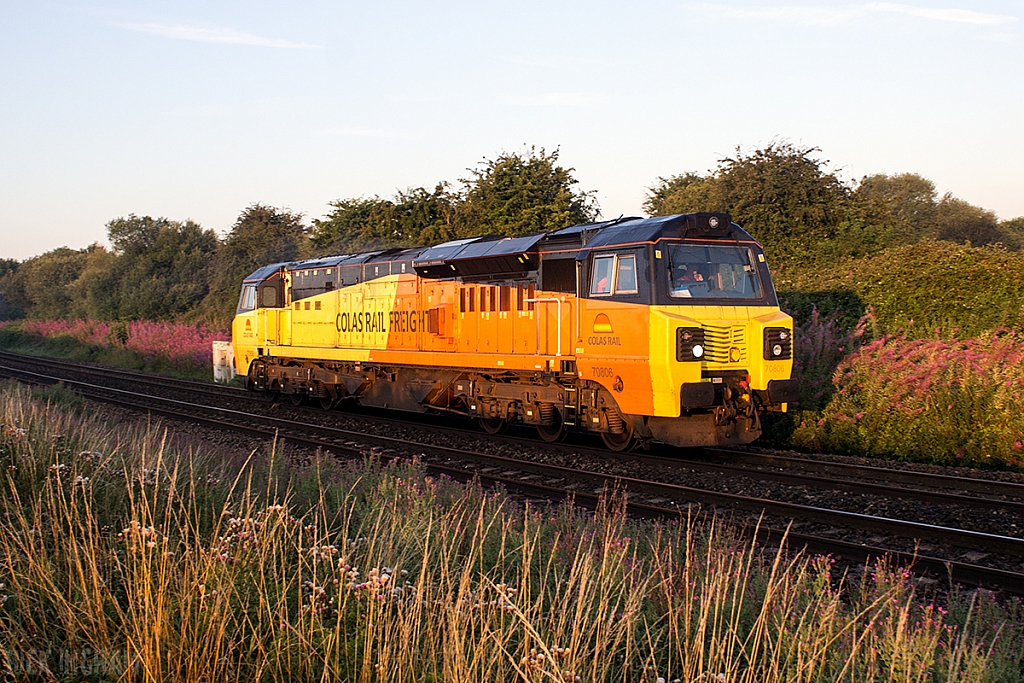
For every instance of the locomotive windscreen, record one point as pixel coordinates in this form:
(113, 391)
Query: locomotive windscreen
(712, 272)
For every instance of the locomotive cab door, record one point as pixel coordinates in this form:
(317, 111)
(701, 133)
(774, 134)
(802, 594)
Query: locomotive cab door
(270, 299)
(614, 322)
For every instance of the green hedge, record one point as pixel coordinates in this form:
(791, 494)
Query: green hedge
(964, 291)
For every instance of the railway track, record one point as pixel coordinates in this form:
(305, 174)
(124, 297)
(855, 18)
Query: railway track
(647, 497)
(788, 469)
(1005, 497)
(872, 480)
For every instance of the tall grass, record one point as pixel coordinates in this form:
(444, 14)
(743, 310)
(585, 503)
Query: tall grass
(126, 555)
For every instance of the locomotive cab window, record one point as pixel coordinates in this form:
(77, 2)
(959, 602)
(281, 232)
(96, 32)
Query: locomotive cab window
(614, 273)
(601, 280)
(625, 275)
(712, 272)
(247, 301)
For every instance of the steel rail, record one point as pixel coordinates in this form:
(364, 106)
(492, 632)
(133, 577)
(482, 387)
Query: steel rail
(974, 540)
(867, 488)
(209, 388)
(987, 486)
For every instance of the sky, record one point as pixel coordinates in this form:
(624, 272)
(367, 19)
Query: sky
(196, 110)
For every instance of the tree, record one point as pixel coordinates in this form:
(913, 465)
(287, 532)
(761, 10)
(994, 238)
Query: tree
(1013, 233)
(133, 234)
(517, 194)
(514, 194)
(782, 194)
(420, 217)
(958, 221)
(162, 270)
(684, 193)
(96, 292)
(348, 227)
(412, 218)
(41, 286)
(908, 199)
(9, 309)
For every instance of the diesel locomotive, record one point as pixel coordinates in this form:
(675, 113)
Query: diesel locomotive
(638, 329)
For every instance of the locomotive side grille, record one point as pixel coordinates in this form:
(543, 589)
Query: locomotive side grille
(720, 340)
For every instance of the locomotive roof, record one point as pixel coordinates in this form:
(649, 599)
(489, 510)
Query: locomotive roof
(478, 247)
(492, 255)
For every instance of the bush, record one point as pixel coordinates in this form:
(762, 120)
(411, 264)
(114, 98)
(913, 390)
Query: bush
(174, 342)
(914, 289)
(940, 400)
(821, 342)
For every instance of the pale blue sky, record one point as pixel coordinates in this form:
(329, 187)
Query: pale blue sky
(198, 109)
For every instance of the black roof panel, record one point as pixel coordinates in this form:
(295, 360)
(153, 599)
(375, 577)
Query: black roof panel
(444, 252)
(624, 233)
(263, 273)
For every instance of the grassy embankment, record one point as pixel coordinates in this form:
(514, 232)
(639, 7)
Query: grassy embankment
(168, 348)
(124, 552)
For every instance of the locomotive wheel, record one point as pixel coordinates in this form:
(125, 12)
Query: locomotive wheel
(252, 377)
(493, 425)
(553, 433)
(296, 399)
(326, 402)
(619, 442)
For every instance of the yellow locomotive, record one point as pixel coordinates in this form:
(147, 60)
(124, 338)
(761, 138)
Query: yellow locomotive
(663, 328)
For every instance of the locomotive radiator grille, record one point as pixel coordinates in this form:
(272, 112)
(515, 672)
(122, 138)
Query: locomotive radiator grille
(720, 340)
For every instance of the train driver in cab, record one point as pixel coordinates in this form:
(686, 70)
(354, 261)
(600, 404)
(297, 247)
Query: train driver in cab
(686, 273)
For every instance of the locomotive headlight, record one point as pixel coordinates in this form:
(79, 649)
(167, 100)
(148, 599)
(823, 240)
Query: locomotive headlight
(690, 344)
(778, 343)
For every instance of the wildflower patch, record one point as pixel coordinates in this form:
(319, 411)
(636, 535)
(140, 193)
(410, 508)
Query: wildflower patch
(942, 400)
